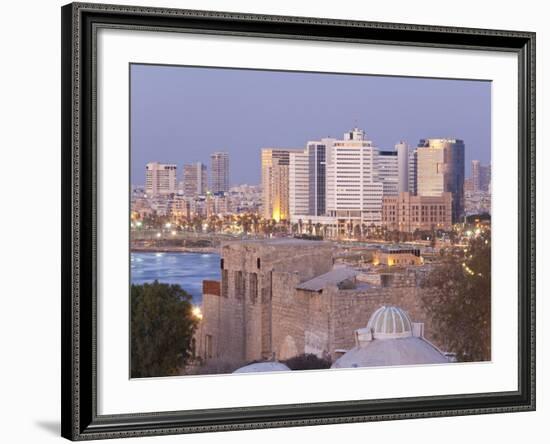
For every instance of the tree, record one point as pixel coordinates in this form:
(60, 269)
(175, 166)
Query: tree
(162, 328)
(457, 299)
(307, 362)
(357, 231)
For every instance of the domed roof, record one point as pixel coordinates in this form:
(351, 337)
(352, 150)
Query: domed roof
(389, 322)
(401, 351)
(268, 366)
(389, 340)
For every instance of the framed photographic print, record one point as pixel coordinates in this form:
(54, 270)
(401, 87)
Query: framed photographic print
(277, 221)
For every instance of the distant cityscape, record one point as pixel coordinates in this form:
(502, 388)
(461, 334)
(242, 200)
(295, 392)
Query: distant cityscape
(332, 188)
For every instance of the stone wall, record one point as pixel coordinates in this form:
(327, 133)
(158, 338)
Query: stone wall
(238, 317)
(323, 322)
(301, 319)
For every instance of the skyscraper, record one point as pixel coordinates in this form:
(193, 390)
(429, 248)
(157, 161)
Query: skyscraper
(413, 172)
(354, 189)
(298, 183)
(441, 169)
(402, 166)
(388, 172)
(485, 178)
(275, 183)
(194, 179)
(481, 176)
(160, 179)
(219, 172)
(475, 176)
(319, 153)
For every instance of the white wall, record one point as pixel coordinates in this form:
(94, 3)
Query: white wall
(30, 290)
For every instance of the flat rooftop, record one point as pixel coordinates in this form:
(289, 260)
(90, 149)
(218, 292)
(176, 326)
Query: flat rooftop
(333, 277)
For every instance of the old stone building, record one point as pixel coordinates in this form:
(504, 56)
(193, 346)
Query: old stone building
(282, 298)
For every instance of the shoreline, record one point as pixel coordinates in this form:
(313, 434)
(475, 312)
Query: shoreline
(198, 250)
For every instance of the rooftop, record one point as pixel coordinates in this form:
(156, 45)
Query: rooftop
(403, 351)
(268, 366)
(333, 277)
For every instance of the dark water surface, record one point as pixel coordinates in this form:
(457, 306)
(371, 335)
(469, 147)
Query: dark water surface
(186, 269)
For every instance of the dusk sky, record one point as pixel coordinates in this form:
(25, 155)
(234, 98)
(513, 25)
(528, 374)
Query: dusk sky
(182, 114)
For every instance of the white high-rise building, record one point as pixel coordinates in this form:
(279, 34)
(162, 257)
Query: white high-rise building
(160, 179)
(402, 166)
(194, 179)
(219, 172)
(354, 189)
(307, 179)
(298, 182)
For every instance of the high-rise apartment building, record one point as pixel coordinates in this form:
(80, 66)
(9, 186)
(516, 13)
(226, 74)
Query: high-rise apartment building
(413, 172)
(476, 182)
(440, 164)
(485, 178)
(194, 179)
(298, 183)
(481, 176)
(160, 179)
(402, 149)
(354, 189)
(388, 172)
(319, 155)
(275, 183)
(307, 178)
(219, 172)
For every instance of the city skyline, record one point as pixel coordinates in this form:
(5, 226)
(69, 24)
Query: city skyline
(174, 123)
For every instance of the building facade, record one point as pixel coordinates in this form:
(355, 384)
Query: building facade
(219, 172)
(397, 256)
(402, 149)
(354, 189)
(160, 179)
(275, 183)
(407, 213)
(388, 172)
(413, 172)
(298, 183)
(319, 156)
(440, 164)
(481, 176)
(195, 179)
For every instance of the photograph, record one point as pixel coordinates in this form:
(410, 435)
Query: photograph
(288, 221)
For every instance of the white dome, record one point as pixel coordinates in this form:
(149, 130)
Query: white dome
(389, 322)
(400, 351)
(268, 366)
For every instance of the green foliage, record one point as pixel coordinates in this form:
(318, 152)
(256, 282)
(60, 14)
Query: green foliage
(162, 327)
(307, 361)
(457, 298)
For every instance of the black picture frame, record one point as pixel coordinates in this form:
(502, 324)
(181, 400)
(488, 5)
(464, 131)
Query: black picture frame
(79, 208)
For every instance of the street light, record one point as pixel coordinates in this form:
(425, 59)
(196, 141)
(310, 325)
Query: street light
(196, 312)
